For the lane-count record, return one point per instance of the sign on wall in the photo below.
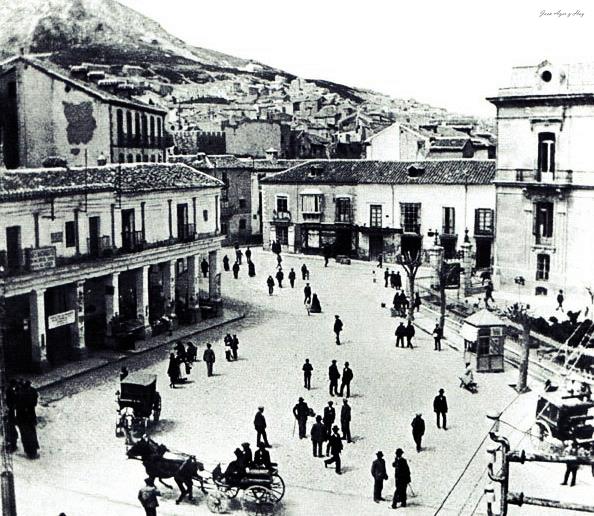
(56, 237)
(61, 319)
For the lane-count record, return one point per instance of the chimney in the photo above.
(101, 160)
(271, 154)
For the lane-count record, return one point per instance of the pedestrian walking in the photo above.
(318, 434)
(308, 306)
(279, 261)
(26, 418)
(292, 277)
(204, 267)
(333, 376)
(393, 279)
(347, 378)
(418, 430)
(437, 336)
(328, 420)
(234, 345)
(440, 407)
(400, 334)
(307, 370)
(307, 293)
(236, 270)
(327, 253)
(315, 307)
(304, 272)
(560, 299)
(301, 413)
(337, 328)
(489, 293)
(397, 281)
(396, 303)
(260, 426)
(147, 496)
(248, 253)
(410, 333)
(380, 261)
(417, 302)
(270, 283)
(335, 445)
(401, 478)
(379, 474)
(386, 277)
(209, 359)
(173, 370)
(251, 269)
(238, 255)
(571, 469)
(280, 276)
(226, 263)
(404, 304)
(345, 421)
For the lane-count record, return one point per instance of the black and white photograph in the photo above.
(296, 258)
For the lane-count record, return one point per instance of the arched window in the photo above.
(144, 139)
(159, 132)
(121, 158)
(137, 129)
(138, 158)
(129, 128)
(130, 158)
(152, 138)
(120, 127)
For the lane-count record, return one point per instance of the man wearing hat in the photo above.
(335, 445)
(147, 496)
(333, 376)
(345, 421)
(329, 418)
(337, 328)
(301, 412)
(401, 478)
(260, 426)
(440, 407)
(378, 472)
(262, 457)
(318, 434)
(246, 455)
(235, 470)
(418, 430)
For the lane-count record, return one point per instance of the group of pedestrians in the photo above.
(21, 403)
(180, 364)
(333, 377)
(405, 332)
(231, 345)
(402, 478)
(236, 267)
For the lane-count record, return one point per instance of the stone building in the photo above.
(46, 112)
(363, 208)
(252, 138)
(545, 179)
(78, 246)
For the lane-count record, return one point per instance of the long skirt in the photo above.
(29, 439)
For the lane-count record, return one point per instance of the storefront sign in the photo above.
(61, 319)
(40, 258)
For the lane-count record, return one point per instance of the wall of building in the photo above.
(385, 144)
(254, 137)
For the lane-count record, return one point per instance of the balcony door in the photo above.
(182, 221)
(94, 235)
(13, 247)
(128, 228)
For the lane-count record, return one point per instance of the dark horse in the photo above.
(183, 471)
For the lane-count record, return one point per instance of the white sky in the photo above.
(447, 53)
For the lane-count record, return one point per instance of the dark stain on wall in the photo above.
(81, 123)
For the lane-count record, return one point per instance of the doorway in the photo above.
(13, 248)
(94, 235)
(483, 253)
(376, 246)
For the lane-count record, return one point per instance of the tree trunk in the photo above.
(522, 385)
(411, 297)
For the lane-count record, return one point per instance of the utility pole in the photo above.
(6, 475)
(520, 313)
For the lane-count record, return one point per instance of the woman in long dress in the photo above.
(173, 370)
(315, 305)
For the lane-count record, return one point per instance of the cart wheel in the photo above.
(216, 502)
(230, 491)
(157, 407)
(258, 500)
(277, 487)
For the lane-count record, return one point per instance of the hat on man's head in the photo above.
(441, 391)
(399, 452)
(379, 454)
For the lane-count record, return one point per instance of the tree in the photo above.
(410, 262)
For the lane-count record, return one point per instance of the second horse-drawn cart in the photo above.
(138, 400)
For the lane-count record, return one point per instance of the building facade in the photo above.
(79, 247)
(545, 179)
(364, 208)
(46, 113)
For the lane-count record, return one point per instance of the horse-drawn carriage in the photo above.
(138, 400)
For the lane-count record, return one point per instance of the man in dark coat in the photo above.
(327, 252)
(347, 378)
(306, 293)
(410, 333)
(396, 303)
(248, 254)
(209, 359)
(329, 418)
(173, 370)
(333, 376)
(26, 418)
(204, 267)
(251, 269)
(401, 478)
(318, 434)
(560, 300)
(280, 276)
(400, 334)
(301, 413)
(386, 277)
(337, 328)
(418, 430)
(345, 421)
(440, 407)
(236, 270)
(292, 277)
(260, 426)
(270, 283)
(234, 345)
(262, 457)
(238, 255)
(246, 455)
(393, 279)
(489, 293)
(307, 369)
(379, 474)
(397, 281)
(147, 496)
(304, 272)
(335, 445)
(437, 335)
(226, 263)
(404, 304)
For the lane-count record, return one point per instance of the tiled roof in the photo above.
(227, 161)
(128, 178)
(461, 171)
(199, 161)
(276, 165)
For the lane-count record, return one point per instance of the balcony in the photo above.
(536, 177)
(343, 217)
(186, 233)
(281, 216)
(133, 241)
(100, 247)
(411, 228)
(312, 216)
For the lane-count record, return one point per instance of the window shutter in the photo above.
(535, 219)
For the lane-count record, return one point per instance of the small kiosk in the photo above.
(484, 336)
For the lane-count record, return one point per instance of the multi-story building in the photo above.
(545, 178)
(364, 208)
(45, 111)
(80, 245)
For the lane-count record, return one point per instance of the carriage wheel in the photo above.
(258, 500)
(277, 487)
(230, 491)
(216, 502)
(157, 407)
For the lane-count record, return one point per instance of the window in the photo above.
(543, 267)
(410, 217)
(121, 158)
(137, 129)
(242, 203)
(282, 204)
(138, 158)
(375, 216)
(546, 152)
(129, 128)
(311, 203)
(483, 221)
(224, 228)
(543, 221)
(159, 132)
(152, 138)
(242, 224)
(130, 158)
(313, 238)
(70, 234)
(153, 159)
(120, 126)
(343, 209)
(448, 221)
(205, 215)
